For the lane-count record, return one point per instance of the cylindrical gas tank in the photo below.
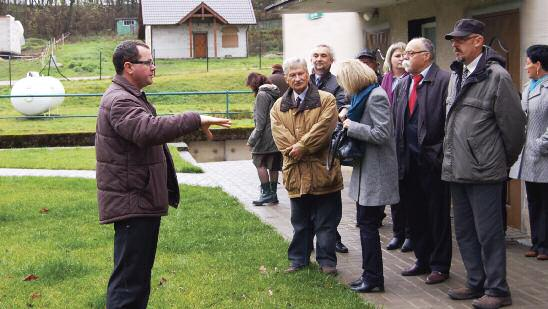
(34, 84)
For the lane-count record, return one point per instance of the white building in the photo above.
(11, 35)
(302, 32)
(196, 29)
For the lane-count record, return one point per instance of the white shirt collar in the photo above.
(425, 71)
(472, 65)
(302, 95)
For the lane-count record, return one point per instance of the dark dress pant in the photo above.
(537, 200)
(427, 202)
(135, 242)
(400, 222)
(317, 215)
(369, 219)
(480, 236)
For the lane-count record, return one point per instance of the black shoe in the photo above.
(356, 282)
(267, 196)
(407, 245)
(415, 271)
(366, 287)
(340, 247)
(394, 244)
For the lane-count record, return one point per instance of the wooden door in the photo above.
(502, 33)
(200, 45)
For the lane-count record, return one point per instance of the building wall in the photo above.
(11, 35)
(341, 31)
(171, 41)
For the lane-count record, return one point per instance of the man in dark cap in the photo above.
(484, 134)
(368, 57)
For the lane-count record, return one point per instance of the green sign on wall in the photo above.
(316, 15)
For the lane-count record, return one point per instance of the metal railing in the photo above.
(226, 93)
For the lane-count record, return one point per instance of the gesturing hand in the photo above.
(346, 123)
(207, 121)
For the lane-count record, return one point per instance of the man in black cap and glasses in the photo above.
(484, 134)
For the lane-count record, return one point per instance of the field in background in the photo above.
(171, 76)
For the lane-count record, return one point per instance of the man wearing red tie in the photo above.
(419, 107)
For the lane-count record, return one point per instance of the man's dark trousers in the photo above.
(479, 233)
(315, 215)
(427, 202)
(135, 243)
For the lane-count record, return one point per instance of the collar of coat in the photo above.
(323, 78)
(311, 100)
(482, 70)
(124, 83)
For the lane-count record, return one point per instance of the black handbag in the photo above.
(348, 150)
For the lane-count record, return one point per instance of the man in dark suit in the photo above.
(419, 107)
(322, 58)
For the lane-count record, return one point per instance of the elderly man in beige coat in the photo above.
(302, 122)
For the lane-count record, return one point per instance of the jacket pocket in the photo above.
(324, 179)
(291, 178)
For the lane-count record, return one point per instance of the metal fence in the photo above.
(226, 93)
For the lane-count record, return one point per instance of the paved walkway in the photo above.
(528, 278)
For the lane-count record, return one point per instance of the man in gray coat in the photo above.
(322, 58)
(484, 134)
(136, 180)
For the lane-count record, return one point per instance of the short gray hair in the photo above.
(329, 50)
(294, 62)
(428, 46)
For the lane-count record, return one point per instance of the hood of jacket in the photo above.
(270, 89)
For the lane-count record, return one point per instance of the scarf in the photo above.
(535, 82)
(357, 105)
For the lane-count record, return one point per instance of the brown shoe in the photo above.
(531, 253)
(293, 269)
(542, 257)
(329, 270)
(464, 293)
(436, 277)
(492, 302)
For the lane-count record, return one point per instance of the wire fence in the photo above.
(227, 112)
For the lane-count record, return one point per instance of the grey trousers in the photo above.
(479, 233)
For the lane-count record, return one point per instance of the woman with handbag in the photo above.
(374, 181)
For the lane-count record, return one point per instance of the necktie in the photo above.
(297, 102)
(318, 78)
(413, 97)
(465, 74)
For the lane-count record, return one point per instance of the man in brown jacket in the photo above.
(302, 122)
(136, 179)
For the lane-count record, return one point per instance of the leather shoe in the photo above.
(340, 247)
(407, 245)
(464, 293)
(415, 270)
(329, 270)
(531, 253)
(366, 287)
(293, 269)
(491, 302)
(394, 244)
(542, 257)
(436, 277)
(356, 282)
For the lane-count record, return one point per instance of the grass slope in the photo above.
(210, 253)
(73, 158)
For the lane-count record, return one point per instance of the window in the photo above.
(230, 37)
(425, 27)
(128, 22)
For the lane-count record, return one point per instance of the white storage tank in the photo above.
(34, 84)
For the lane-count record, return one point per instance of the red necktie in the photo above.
(413, 97)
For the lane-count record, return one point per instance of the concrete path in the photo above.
(528, 278)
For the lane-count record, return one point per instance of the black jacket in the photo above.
(430, 106)
(328, 82)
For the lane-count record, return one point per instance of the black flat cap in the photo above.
(465, 27)
(366, 53)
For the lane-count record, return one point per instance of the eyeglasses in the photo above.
(147, 62)
(412, 53)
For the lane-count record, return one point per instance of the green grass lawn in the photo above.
(172, 75)
(211, 253)
(70, 158)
